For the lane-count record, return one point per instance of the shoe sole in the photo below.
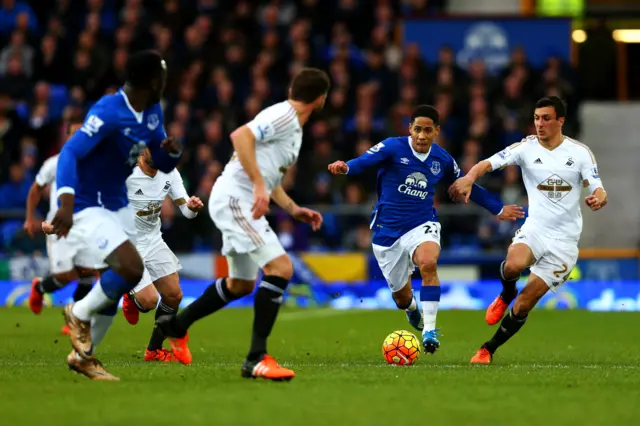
(281, 379)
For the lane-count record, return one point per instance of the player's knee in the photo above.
(514, 267)
(428, 266)
(240, 288)
(64, 278)
(280, 267)
(147, 298)
(172, 297)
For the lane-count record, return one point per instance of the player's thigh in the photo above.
(102, 238)
(60, 253)
(557, 263)
(159, 260)
(395, 264)
(526, 248)
(243, 272)
(169, 287)
(241, 234)
(423, 245)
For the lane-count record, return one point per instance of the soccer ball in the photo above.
(401, 348)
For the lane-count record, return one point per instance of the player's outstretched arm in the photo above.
(374, 156)
(189, 206)
(303, 214)
(33, 198)
(462, 187)
(166, 154)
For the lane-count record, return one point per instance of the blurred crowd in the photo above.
(229, 59)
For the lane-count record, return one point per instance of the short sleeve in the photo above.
(512, 155)
(47, 173)
(269, 123)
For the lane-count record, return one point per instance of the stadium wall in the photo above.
(611, 131)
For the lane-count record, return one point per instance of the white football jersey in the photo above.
(278, 139)
(554, 181)
(47, 176)
(146, 195)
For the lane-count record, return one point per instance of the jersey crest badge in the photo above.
(153, 121)
(435, 167)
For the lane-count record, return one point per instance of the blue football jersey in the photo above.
(406, 186)
(96, 161)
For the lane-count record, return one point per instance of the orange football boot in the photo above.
(180, 349)
(159, 355)
(496, 311)
(130, 310)
(266, 368)
(35, 298)
(65, 330)
(482, 356)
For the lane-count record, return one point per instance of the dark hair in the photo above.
(309, 84)
(73, 122)
(555, 102)
(426, 111)
(143, 67)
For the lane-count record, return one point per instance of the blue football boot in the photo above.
(430, 340)
(415, 317)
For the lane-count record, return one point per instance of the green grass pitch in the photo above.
(563, 368)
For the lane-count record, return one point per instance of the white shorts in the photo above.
(554, 258)
(247, 244)
(159, 262)
(97, 232)
(396, 262)
(61, 255)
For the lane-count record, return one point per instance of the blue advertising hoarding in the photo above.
(374, 294)
(491, 40)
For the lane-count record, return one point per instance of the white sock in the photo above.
(93, 302)
(99, 326)
(413, 306)
(429, 312)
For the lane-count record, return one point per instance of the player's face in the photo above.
(547, 126)
(146, 157)
(423, 132)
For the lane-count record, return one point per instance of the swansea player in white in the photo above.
(555, 168)
(147, 189)
(406, 231)
(264, 149)
(66, 263)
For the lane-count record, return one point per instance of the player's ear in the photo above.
(437, 130)
(561, 120)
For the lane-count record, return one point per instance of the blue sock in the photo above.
(114, 285)
(110, 310)
(430, 299)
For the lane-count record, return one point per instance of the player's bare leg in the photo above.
(215, 297)
(169, 289)
(100, 305)
(426, 257)
(406, 300)
(519, 257)
(525, 302)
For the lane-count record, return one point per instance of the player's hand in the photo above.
(338, 168)
(195, 204)
(260, 201)
(511, 213)
(309, 216)
(461, 189)
(29, 227)
(594, 202)
(47, 228)
(62, 222)
(171, 145)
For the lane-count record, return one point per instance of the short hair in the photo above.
(143, 67)
(309, 84)
(426, 111)
(555, 102)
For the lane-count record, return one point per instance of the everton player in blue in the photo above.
(94, 214)
(406, 232)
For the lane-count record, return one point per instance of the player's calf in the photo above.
(169, 289)
(405, 299)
